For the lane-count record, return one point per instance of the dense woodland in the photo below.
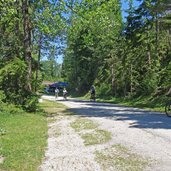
(120, 57)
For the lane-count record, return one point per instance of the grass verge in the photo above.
(148, 102)
(23, 136)
(51, 107)
(22, 140)
(120, 158)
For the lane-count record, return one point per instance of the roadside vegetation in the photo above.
(152, 103)
(148, 102)
(52, 108)
(23, 138)
(120, 158)
(89, 132)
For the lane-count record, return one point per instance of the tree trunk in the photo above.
(17, 31)
(38, 60)
(113, 80)
(27, 42)
(169, 38)
(149, 49)
(157, 32)
(131, 79)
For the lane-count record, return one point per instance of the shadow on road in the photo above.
(139, 118)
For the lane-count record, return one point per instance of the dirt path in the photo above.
(147, 134)
(67, 151)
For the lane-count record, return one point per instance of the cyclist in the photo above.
(56, 92)
(92, 93)
(65, 93)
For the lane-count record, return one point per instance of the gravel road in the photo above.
(145, 133)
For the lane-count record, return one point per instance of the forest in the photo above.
(122, 57)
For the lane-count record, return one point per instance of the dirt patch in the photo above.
(2, 159)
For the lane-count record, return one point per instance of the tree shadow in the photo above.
(138, 118)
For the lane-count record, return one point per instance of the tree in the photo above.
(89, 47)
(23, 24)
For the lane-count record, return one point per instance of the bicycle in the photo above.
(93, 97)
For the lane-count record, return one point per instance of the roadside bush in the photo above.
(13, 83)
(104, 90)
(31, 103)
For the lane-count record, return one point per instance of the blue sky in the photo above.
(125, 6)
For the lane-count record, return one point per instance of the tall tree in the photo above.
(87, 46)
(27, 27)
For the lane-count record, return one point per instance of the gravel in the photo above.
(145, 133)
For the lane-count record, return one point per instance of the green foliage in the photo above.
(30, 103)
(104, 89)
(166, 76)
(12, 81)
(121, 59)
(13, 84)
(51, 70)
(148, 84)
(87, 46)
(28, 31)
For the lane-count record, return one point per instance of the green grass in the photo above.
(23, 136)
(96, 137)
(51, 107)
(82, 124)
(150, 103)
(120, 158)
(48, 104)
(22, 141)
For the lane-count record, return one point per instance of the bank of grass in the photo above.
(120, 158)
(152, 102)
(23, 139)
(148, 102)
(51, 107)
(54, 111)
(23, 136)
